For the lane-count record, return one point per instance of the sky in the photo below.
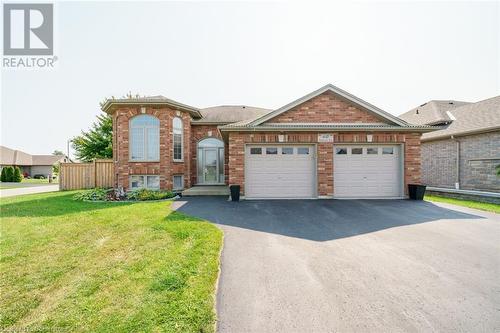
(395, 55)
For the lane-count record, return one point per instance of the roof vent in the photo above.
(450, 102)
(416, 112)
(244, 106)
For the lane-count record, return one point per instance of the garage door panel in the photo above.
(280, 175)
(367, 175)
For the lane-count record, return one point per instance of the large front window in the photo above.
(177, 129)
(144, 138)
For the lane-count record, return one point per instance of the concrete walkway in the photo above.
(354, 266)
(12, 192)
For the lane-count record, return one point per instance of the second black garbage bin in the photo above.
(416, 192)
(235, 192)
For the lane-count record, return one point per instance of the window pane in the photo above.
(137, 144)
(303, 151)
(210, 142)
(256, 151)
(271, 151)
(387, 150)
(145, 121)
(144, 138)
(177, 146)
(287, 151)
(153, 182)
(341, 151)
(178, 182)
(153, 144)
(372, 151)
(357, 151)
(136, 182)
(177, 125)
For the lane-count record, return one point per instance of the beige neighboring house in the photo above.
(464, 154)
(30, 165)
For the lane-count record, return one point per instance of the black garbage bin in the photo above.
(416, 192)
(235, 192)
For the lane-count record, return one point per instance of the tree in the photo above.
(17, 175)
(3, 176)
(97, 142)
(9, 173)
(58, 153)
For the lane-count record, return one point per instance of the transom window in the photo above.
(341, 151)
(145, 181)
(357, 151)
(303, 150)
(178, 136)
(287, 151)
(387, 151)
(271, 151)
(144, 138)
(256, 151)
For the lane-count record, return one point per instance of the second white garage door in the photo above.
(367, 171)
(280, 171)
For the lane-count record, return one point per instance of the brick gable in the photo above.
(326, 108)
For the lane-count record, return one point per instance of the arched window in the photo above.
(144, 138)
(178, 131)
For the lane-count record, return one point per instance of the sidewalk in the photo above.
(11, 192)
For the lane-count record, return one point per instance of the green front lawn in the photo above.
(466, 203)
(69, 266)
(39, 181)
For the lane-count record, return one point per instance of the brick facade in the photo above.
(326, 108)
(325, 165)
(478, 156)
(166, 168)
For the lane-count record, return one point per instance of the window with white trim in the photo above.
(144, 138)
(178, 136)
(144, 181)
(178, 182)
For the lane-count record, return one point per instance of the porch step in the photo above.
(206, 190)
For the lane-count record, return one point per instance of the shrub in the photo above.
(3, 176)
(145, 194)
(102, 194)
(17, 177)
(95, 194)
(9, 174)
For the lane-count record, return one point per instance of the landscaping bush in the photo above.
(17, 175)
(101, 194)
(3, 176)
(9, 174)
(95, 194)
(145, 194)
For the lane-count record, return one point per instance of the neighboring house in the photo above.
(327, 144)
(465, 153)
(30, 165)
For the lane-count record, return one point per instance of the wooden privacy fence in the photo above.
(75, 176)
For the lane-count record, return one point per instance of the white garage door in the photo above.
(280, 171)
(367, 171)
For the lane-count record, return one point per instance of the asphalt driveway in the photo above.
(360, 265)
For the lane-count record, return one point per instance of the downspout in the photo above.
(457, 178)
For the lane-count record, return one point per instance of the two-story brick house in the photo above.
(327, 144)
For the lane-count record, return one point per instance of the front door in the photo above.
(210, 166)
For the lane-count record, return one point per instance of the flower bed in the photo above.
(109, 194)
